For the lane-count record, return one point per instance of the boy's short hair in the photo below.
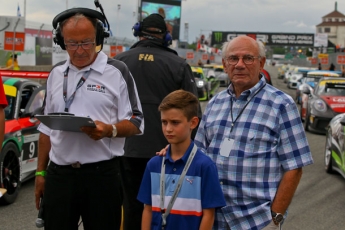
(183, 100)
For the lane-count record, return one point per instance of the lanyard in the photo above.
(239, 114)
(69, 101)
(177, 189)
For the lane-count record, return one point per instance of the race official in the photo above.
(82, 180)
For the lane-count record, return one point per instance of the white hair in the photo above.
(260, 45)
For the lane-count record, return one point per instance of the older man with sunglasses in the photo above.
(253, 132)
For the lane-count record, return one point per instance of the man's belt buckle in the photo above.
(76, 165)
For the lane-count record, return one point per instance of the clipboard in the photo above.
(65, 121)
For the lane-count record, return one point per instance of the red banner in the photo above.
(18, 44)
(204, 57)
(341, 59)
(189, 55)
(324, 60)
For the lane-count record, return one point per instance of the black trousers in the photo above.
(132, 171)
(92, 192)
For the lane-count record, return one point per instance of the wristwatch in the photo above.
(277, 217)
(114, 131)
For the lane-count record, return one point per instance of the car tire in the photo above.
(328, 152)
(10, 169)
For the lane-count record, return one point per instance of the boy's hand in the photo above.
(163, 151)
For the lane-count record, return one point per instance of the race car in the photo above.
(309, 82)
(327, 101)
(206, 87)
(18, 157)
(335, 146)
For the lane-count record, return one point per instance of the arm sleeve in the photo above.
(3, 100)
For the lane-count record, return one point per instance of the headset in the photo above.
(137, 30)
(101, 31)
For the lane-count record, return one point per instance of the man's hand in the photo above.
(163, 151)
(39, 190)
(102, 130)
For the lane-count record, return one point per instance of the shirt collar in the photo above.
(185, 156)
(245, 94)
(98, 64)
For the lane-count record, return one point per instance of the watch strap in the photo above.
(41, 173)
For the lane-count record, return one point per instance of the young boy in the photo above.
(182, 188)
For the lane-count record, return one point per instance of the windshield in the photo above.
(322, 90)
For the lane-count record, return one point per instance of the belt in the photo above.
(78, 165)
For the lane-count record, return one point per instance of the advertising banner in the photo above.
(169, 9)
(58, 53)
(271, 39)
(10, 23)
(44, 51)
(14, 41)
(27, 57)
(321, 40)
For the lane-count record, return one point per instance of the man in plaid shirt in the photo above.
(253, 132)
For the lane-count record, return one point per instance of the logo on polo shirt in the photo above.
(96, 88)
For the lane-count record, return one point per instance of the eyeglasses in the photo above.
(75, 46)
(247, 59)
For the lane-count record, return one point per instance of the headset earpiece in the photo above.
(167, 39)
(101, 33)
(136, 29)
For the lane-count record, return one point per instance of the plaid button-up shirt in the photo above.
(269, 139)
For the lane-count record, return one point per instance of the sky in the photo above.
(292, 16)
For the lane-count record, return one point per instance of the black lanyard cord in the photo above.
(232, 119)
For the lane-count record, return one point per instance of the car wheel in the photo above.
(328, 152)
(9, 173)
(306, 122)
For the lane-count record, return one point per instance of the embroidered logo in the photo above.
(189, 180)
(96, 88)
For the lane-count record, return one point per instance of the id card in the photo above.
(226, 147)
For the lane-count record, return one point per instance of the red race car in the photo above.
(18, 157)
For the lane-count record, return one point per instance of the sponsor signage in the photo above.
(313, 61)
(16, 44)
(341, 59)
(189, 55)
(204, 57)
(324, 60)
(322, 55)
(271, 39)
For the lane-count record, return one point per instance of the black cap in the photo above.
(154, 21)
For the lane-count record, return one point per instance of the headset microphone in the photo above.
(40, 220)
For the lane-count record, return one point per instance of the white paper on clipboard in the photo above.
(65, 122)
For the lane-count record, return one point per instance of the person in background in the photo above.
(254, 134)
(12, 63)
(157, 71)
(320, 68)
(197, 190)
(332, 67)
(82, 179)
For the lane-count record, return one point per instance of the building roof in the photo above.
(331, 24)
(334, 14)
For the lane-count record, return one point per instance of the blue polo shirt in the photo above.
(200, 190)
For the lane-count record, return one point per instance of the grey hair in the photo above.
(261, 46)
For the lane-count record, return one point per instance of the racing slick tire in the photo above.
(328, 152)
(10, 170)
